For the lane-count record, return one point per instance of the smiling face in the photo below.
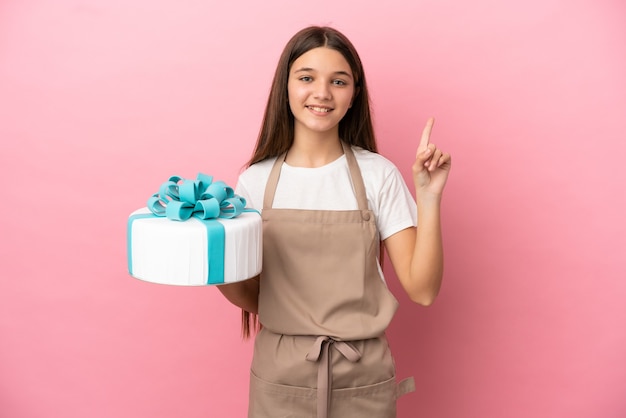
(320, 90)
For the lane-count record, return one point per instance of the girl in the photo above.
(327, 201)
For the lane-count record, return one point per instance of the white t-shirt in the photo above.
(330, 188)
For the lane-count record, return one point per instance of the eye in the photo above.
(305, 78)
(339, 83)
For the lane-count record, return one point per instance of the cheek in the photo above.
(293, 93)
(291, 107)
(291, 97)
(348, 98)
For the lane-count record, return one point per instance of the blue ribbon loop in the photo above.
(179, 199)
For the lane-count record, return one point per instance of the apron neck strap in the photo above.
(355, 175)
(272, 181)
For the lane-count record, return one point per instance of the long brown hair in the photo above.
(277, 129)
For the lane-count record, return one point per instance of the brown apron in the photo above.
(322, 351)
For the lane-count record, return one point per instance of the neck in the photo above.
(314, 150)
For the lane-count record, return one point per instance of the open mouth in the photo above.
(320, 109)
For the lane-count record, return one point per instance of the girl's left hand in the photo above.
(431, 167)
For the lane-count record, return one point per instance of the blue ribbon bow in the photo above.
(179, 199)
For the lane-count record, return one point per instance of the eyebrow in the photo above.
(309, 69)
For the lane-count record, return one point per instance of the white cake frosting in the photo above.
(171, 252)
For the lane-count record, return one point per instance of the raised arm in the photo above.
(417, 253)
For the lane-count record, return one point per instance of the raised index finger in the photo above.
(425, 140)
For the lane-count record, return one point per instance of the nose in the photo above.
(322, 90)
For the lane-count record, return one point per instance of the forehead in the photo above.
(322, 59)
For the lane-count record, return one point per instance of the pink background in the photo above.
(101, 101)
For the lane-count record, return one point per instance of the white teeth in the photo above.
(319, 109)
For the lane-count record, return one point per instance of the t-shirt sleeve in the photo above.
(397, 209)
(251, 184)
(241, 190)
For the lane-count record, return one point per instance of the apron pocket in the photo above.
(272, 400)
(372, 401)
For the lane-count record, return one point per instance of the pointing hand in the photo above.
(431, 167)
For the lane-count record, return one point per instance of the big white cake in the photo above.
(193, 251)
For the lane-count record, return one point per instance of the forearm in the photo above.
(243, 294)
(417, 255)
(426, 269)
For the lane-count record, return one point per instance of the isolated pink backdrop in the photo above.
(101, 101)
